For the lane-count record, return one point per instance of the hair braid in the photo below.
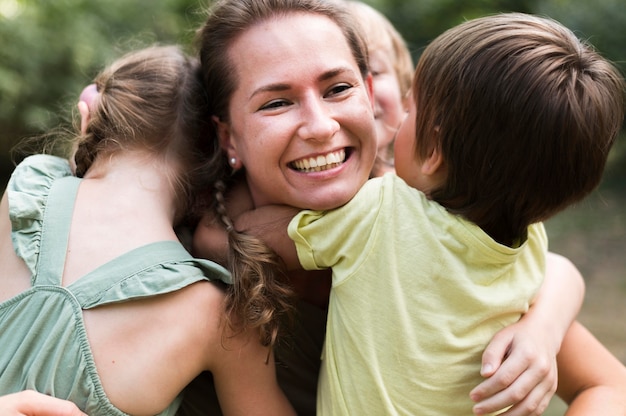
(86, 153)
(261, 295)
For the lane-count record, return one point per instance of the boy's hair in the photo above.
(524, 115)
(262, 296)
(149, 100)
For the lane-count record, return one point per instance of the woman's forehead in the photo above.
(289, 47)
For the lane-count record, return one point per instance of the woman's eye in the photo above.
(338, 89)
(274, 104)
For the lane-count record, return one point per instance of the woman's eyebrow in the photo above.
(335, 72)
(270, 88)
(279, 86)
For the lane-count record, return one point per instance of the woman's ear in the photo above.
(226, 143)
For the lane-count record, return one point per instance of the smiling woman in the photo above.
(300, 113)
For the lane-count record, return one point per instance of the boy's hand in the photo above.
(520, 373)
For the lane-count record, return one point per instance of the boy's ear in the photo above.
(226, 143)
(433, 163)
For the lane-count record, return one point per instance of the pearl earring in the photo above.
(233, 161)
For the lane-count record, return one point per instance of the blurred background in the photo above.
(50, 50)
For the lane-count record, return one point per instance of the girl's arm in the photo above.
(520, 361)
(245, 377)
(591, 380)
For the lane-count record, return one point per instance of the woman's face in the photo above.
(389, 106)
(301, 117)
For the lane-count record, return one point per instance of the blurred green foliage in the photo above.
(51, 49)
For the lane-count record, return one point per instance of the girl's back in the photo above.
(100, 300)
(111, 277)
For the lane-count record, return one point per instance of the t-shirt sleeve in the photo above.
(339, 237)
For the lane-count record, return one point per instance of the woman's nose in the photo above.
(318, 123)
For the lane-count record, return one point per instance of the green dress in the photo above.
(43, 343)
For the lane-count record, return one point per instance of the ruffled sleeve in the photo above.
(28, 191)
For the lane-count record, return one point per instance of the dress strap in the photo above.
(55, 231)
(156, 268)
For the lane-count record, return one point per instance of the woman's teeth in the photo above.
(321, 162)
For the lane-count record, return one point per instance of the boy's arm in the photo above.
(520, 361)
(268, 223)
(591, 379)
(210, 240)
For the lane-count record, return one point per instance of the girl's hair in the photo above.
(262, 295)
(150, 100)
(381, 35)
(524, 115)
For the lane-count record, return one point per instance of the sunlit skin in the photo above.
(300, 97)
